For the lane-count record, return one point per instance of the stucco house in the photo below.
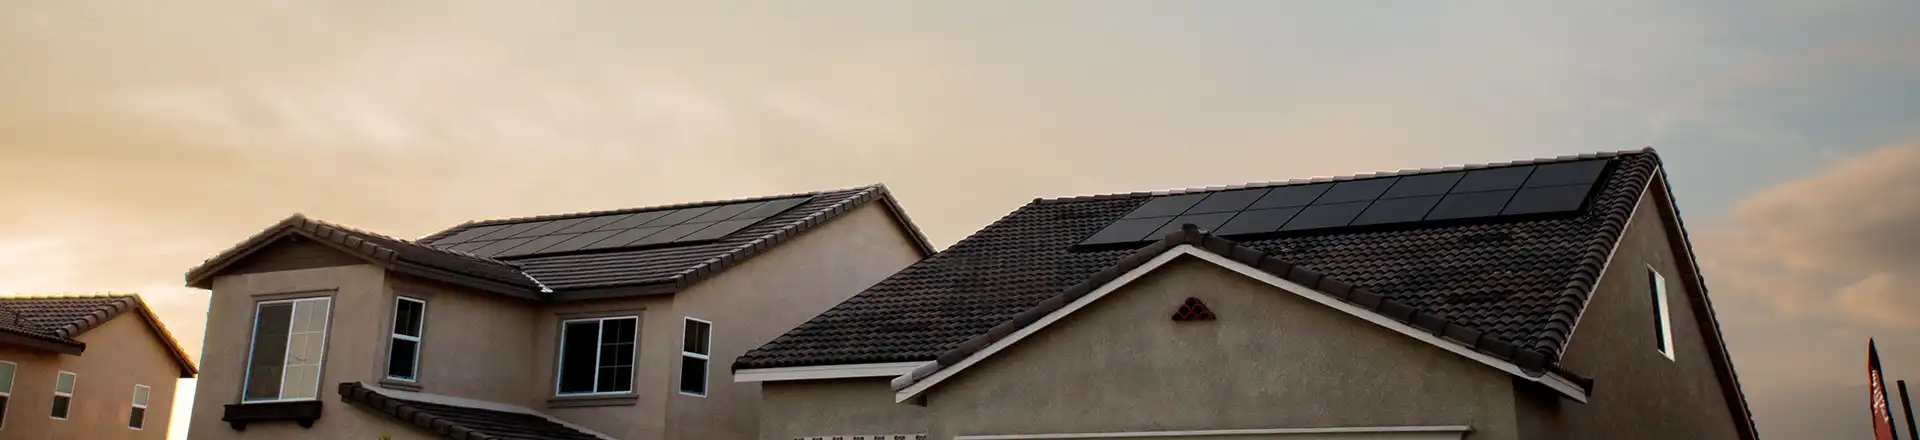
(1543, 299)
(86, 366)
(599, 325)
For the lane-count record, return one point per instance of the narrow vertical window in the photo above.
(403, 351)
(6, 390)
(596, 355)
(289, 341)
(63, 394)
(1662, 319)
(137, 418)
(696, 346)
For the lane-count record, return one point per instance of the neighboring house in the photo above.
(89, 366)
(600, 325)
(1547, 299)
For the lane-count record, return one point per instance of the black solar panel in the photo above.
(679, 216)
(549, 228)
(536, 245)
(510, 231)
(770, 208)
(670, 234)
(499, 246)
(468, 235)
(723, 212)
(581, 241)
(1560, 187)
(720, 229)
(633, 221)
(591, 223)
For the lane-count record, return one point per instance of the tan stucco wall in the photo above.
(353, 347)
(638, 417)
(121, 353)
(475, 345)
(1639, 393)
(1271, 360)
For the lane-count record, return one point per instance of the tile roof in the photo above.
(561, 276)
(461, 422)
(62, 317)
(1522, 282)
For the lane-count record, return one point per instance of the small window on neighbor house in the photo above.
(137, 419)
(63, 394)
(1662, 319)
(696, 345)
(596, 355)
(289, 341)
(6, 390)
(403, 351)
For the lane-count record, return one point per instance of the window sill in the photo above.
(587, 401)
(400, 385)
(305, 412)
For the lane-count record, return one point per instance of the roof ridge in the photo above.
(642, 209)
(401, 240)
(1323, 179)
(68, 295)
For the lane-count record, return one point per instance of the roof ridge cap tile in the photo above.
(491, 222)
(1531, 362)
(1341, 178)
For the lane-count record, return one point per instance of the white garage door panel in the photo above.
(1355, 433)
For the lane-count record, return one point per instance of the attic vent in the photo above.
(1487, 237)
(1193, 310)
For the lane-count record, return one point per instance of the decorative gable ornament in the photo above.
(1193, 310)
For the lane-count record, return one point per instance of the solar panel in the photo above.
(1548, 199)
(679, 216)
(633, 221)
(591, 223)
(625, 237)
(1325, 216)
(723, 212)
(536, 245)
(610, 231)
(1410, 209)
(1493, 179)
(771, 208)
(1468, 205)
(1257, 221)
(1356, 191)
(1288, 196)
(1206, 222)
(468, 235)
(510, 230)
(499, 246)
(549, 228)
(469, 247)
(1228, 201)
(1166, 206)
(670, 234)
(1568, 173)
(1128, 230)
(1423, 185)
(718, 230)
(581, 241)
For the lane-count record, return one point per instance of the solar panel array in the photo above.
(1446, 196)
(614, 231)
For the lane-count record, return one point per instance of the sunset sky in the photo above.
(138, 138)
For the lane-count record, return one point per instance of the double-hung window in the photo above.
(289, 341)
(6, 389)
(137, 418)
(695, 346)
(63, 394)
(403, 351)
(1662, 319)
(596, 355)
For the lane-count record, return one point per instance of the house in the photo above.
(86, 366)
(599, 325)
(1545, 299)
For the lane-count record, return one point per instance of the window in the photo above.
(6, 389)
(697, 343)
(403, 353)
(1662, 321)
(63, 394)
(289, 339)
(596, 355)
(137, 419)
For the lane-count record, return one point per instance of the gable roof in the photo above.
(460, 422)
(656, 270)
(1265, 267)
(58, 319)
(1520, 281)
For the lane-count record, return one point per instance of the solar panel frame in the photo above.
(1166, 206)
(511, 230)
(671, 233)
(724, 212)
(589, 224)
(679, 216)
(1257, 221)
(1549, 199)
(1228, 201)
(469, 234)
(625, 237)
(772, 208)
(1566, 173)
(1326, 216)
(634, 220)
(1400, 210)
(718, 230)
(549, 227)
(1470, 205)
(1493, 179)
(581, 241)
(1356, 191)
(1290, 196)
(535, 246)
(499, 246)
(1423, 185)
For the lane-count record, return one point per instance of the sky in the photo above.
(139, 138)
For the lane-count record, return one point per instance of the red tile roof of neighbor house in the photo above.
(59, 318)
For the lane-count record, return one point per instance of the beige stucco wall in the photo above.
(769, 295)
(353, 348)
(121, 353)
(1639, 393)
(475, 344)
(635, 416)
(1271, 360)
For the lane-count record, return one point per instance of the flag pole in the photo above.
(1908, 405)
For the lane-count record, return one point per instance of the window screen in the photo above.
(289, 339)
(695, 348)
(403, 350)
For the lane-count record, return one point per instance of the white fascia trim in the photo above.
(1440, 431)
(474, 403)
(1551, 380)
(825, 372)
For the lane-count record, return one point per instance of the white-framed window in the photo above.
(1663, 317)
(7, 369)
(695, 346)
(63, 394)
(403, 350)
(137, 418)
(284, 357)
(596, 355)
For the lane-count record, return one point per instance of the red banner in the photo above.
(1877, 390)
